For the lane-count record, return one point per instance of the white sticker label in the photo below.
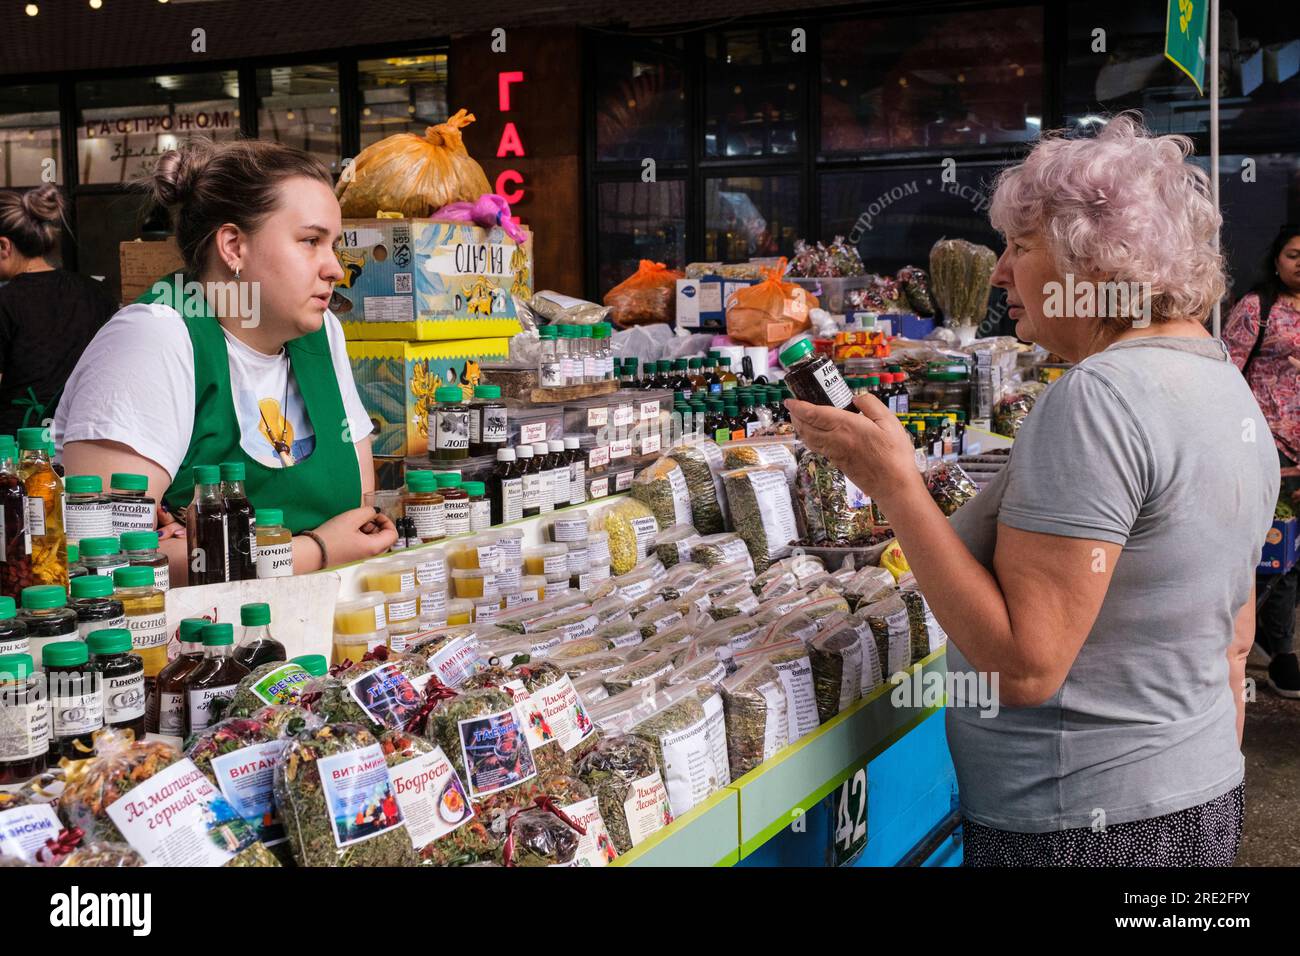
(598, 457)
(644, 528)
(132, 516)
(647, 808)
(24, 730)
(480, 515)
(86, 628)
(457, 515)
(76, 714)
(123, 698)
(689, 769)
(624, 415)
(147, 630)
(359, 796)
(36, 517)
(650, 410)
(88, 521)
(599, 487)
(178, 818)
(431, 571)
(775, 511)
(245, 777)
(24, 830)
(431, 796)
(833, 385)
(456, 662)
(487, 610)
(162, 577)
(495, 426)
(623, 480)
(452, 430)
(171, 714)
(532, 433)
(512, 499)
(650, 443)
(801, 700)
(429, 519)
(200, 705)
(620, 449)
(598, 417)
(398, 611)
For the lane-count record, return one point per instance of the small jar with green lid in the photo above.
(121, 674)
(140, 548)
(422, 503)
(95, 606)
(75, 568)
(488, 423)
(87, 511)
(25, 715)
(451, 425)
(146, 617)
(455, 503)
(480, 509)
(317, 665)
(76, 699)
(133, 509)
(102, 555)
(13, 632)
(48, 618)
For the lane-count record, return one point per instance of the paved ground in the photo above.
(1271, 836)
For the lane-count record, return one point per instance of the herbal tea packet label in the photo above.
(899, 650)
(595, 848)
(716, 729)
(735, 550)
(629, 638)
(801, 699)
(245, 777)
(431, 796)
(24, 830)
(386, 694)
(279, 686)
(457, 662)
(690, 771)
(681, 496)
(358, 795)
(850, 675)
(644, 528)
(647, 808)
(554, 712)
(775, 510)
(179, 818)
(495, 751)
(775, 727)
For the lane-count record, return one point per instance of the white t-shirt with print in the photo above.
(134, 384)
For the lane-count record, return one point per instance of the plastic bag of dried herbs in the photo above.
(836, 656)
(386, 687)
(662, 487)
(542, 835)
(755, 709)
(337, 801)
(694, 662)
(737, 602)
(836, 512)
(479, 730)
(799, 566)
(621, 633)
(601, 662)
(949, 486)
(652, 669)
(927, 635)
(778, 454)
(328, 698)
(591, 686)
(673, 545)
(632, 527)
(867, 586)
(239, 755)
(762, 513)
(684, 574)
(90, 786)
(688, 733)
(454, 655)
(575, 799)
(275, 682)
(701, 463)
(725, 638)
(892, 630)
(806, 620)
(582, 647)
(668, 616)
(790, 658)
(555, 717)
(629, 789)
(286, 720)
(102, 854)
(717, 549)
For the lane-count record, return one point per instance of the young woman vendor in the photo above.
(246, 365)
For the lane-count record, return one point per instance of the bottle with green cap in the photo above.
(455, 502)
(424, 505)
(627, 376)
(95, 606)
(314, 664)
(257, 646)
(121, 675)
(133, 509)
(45, 613)
(140, 548)
(550, 370)
(165, 713)
(489, 425)
(480, 508)
(274, 544)
(146, 617)
(44, 508)
(211, 685)
(205, 529)
(76, 700)
(13, 632)
(15, 543)
(814, 378)
(25, 716)
(102, 555)
(241, 527)
(87, 512)
(75, 568)
(451, 425)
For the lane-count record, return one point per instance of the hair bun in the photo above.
(178, 170)
(44, 203)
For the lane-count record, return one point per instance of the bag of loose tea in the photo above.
(618, 712)
(452, 654)
(275, 682)
(735, 602)
(652, 669)
(837, 514)
(927, 635)
(633, 801)
(662, 487)
(762, 513)
(867, 586)
(755, 710)
(836, 657)
(806, 620)
(696, 662)
(701, 464)
(576, 800)
(777, 453)
(553, 714)
(591, 687)
(727, 637)
(582, 647)
(892, 630)
(286, 720)
(387, 687)
(601, 662)
(632, 527)
(790, 659)
(673, 545)
(542, 835)
(240, 755)
(688, 733)
(621, 633)
(480, 731)
(668, 616)
(719, 549)
(685, 573)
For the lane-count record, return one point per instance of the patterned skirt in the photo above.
(1205, 835)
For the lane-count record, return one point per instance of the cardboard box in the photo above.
(396, 381)
(423, 279)
(1281, 547)
(144, 263)
(702, 302)
(1282, 61)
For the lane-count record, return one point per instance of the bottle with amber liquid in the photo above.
(15, 544)
(217, 676)
(241, 525)
(205, 529)
(165, 713)
(44, 509)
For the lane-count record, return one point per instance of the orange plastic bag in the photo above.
(411, 174)
(647, 296)
(770, 312)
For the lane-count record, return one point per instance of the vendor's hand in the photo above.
(169, 526)
(872, 449)
(356, 534)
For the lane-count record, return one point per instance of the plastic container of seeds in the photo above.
(431, 605)
(549, 560)
(474, 583)
(579, 557)
(598, 547)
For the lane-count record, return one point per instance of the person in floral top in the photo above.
(1270, 360)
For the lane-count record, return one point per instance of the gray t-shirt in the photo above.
(1155, 444)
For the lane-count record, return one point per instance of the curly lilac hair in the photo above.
(1123, 206)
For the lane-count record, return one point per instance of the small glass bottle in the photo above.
(480, 509)
(716, 425)
(814, 378)
(46, 615)
(451, 425)
(146, 618)
(102, 556)
(695, 374)
(140, 548)
(729, 380)
(76, 699)
(589, 350)
(44, 509)
(532, 477)
(423, 504)
(736, 420)
(15, 542)
(87, 511)
(95, 606)
(274, 545)
(627, 376)
(133, 509)
(25, 715)
(604, 351)
(507, 488)
(682, 423)
(205, 529)
(750, 414)
(577, 469)
(564, 354)
(75, 568)
(13, 632)
(455, 503)
(241, 526)
(712, 378)
(217, 676)
(681, 382)
(257, 646)
(544, 462)
(165, 712)
(493, 421)
(559, 473)
(121, 674)
(550, 368)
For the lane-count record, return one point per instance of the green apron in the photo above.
(314, 490)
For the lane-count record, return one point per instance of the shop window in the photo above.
(125, 125)
(754, 94)
(402, 94)
(29, 136)
(106, 219)
(640, 100)
(748, 217)
(638, 220)
(299, 106)
(922, 82)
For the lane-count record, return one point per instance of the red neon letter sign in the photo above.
(503, 87)
(512, 176)
(511, 144)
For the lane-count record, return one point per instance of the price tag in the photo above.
(621, 448)
(650, 444)
(649, 410)
(599, 488)
(624, 415)
(597, 417)
(532, 433)
(849, 818)
(598, 457)
(623, 480)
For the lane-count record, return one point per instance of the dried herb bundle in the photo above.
(699, 462)
(629, 790)
(327, 698)
(286, 720)
(836, 513)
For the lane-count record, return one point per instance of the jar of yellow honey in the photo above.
(429, 564)
(459, 611)
(353, 647)
(390, 575)
(400, 636)
(549, 560)
(362, 615)
(533, 587)
(474, 583)
(473, 553)
(486, 609)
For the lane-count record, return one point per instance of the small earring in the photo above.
(236, 273)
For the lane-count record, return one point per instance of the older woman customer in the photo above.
(1106, 576)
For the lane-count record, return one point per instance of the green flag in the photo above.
(1185, 39)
